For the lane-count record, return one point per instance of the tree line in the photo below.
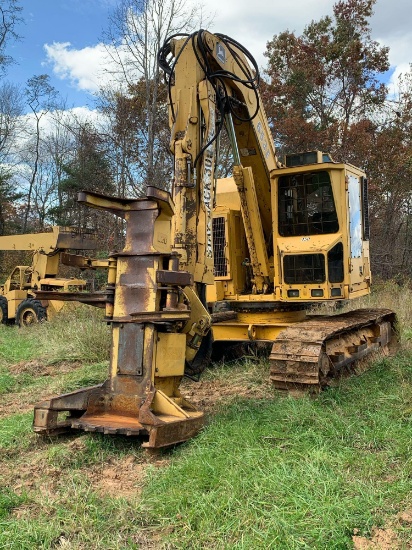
(324, 89)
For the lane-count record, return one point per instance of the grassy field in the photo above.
(268, 471)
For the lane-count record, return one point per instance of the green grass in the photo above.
(286, 473)
(9, 501)
(16, 432)
(17, 344)
(267, 471)
(77, 333)
(88, 375)
(7, 382)
(84, 521)
(13, 383)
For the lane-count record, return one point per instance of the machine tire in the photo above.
(4, 314)
(29, 312)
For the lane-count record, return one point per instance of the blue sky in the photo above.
(63, 37)
(79, 22)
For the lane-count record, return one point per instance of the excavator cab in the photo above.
(17, 278)
(321, 234)
(319, 246)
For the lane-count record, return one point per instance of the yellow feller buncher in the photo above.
(236, 260)
(18, 301)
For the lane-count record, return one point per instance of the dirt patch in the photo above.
(22, 402)
(118, 478)
(38, 477)
(406, 517)
(396, 535)
(381, 539)
(26, 511)
(39, 368)
(25, 399)
(13, 403)
(121, 477)
(207, 395)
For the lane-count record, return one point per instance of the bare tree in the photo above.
(11, 108)
(9, 19)
(41, 98)
(56, 151)
(138, 29)
(11, 126)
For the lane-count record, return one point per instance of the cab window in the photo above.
(306, 205)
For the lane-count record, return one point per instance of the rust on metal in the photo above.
(130, 350)
(98, 299)
(161, 197)
(160, 316)
(74, 260)
(180, 278)
(109, 424)
(221, 316)
(160, 436)
(129, 402)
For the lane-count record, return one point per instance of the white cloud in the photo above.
(252, 28)
(253, 25)
(82, 67)
(50, 123)
(399, 70)
(400, 56)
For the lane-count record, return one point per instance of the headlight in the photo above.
(293, 293)
(316, 292)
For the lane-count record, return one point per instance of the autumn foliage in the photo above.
(325, 90)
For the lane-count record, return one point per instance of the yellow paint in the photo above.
(54, 307)
(227, 195)
(164, 405)
(284, 317)
(170, 354)
(161, 237)
(168, 386)
(232, 331)
(114, 354)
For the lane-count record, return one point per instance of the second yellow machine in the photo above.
(18, 294)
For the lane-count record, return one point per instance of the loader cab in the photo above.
(321, 229)
(19, 279)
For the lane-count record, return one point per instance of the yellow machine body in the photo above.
(147, 360)
(285, 235)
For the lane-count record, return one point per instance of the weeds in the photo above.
(9, 501)
(78, 333)
(387, 295)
